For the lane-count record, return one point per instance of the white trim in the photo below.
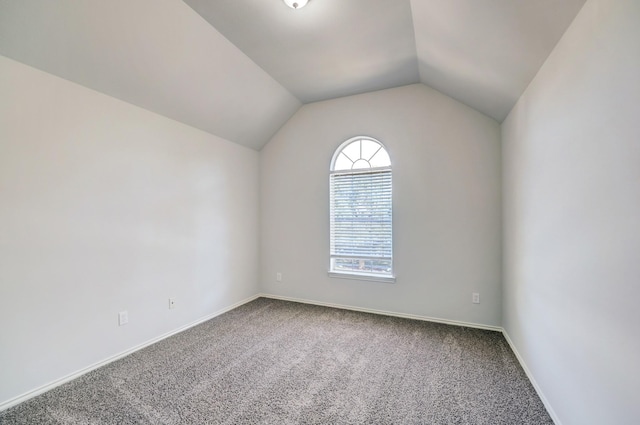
(371, 170)
(51, 385)
(387, 313)
(362, 276)
(536, 387)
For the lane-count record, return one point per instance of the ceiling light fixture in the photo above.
(296, 4)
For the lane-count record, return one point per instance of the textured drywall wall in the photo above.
(571, 208)
(107, 207)
(446, 194)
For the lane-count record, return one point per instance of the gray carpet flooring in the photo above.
(277, 362)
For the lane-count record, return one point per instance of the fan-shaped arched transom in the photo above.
(360, 153)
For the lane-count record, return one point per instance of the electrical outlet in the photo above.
(278, 277)
(123, 318)
(172, 303)
(475, 298)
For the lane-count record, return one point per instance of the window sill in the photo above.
(360, 276)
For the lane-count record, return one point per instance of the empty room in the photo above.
(320, 212)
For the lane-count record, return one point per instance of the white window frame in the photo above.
(357, 275)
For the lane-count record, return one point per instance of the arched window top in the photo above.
(360, 153)
(361, 211)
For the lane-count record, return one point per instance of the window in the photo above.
(361, 211)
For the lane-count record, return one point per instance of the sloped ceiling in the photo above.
(156, 54)
(485, 53)
(328, 49)
(240, 68)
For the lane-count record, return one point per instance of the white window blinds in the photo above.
(361, 245)
(361, 222)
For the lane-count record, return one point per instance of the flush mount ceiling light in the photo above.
(296, 4)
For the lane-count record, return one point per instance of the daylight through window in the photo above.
(361, 211)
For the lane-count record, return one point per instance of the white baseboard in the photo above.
(546, 403)
(33, 393)
(387, 313)
(51, 385)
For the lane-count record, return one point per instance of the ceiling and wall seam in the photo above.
(241, 69)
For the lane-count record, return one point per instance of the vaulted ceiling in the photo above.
(240, 69)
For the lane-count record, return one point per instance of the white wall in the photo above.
(446, 160)
(572, 220)
(106, 207)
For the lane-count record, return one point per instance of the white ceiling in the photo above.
(245, 68)
(485, 53)
(156, 54)
(328, 49)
